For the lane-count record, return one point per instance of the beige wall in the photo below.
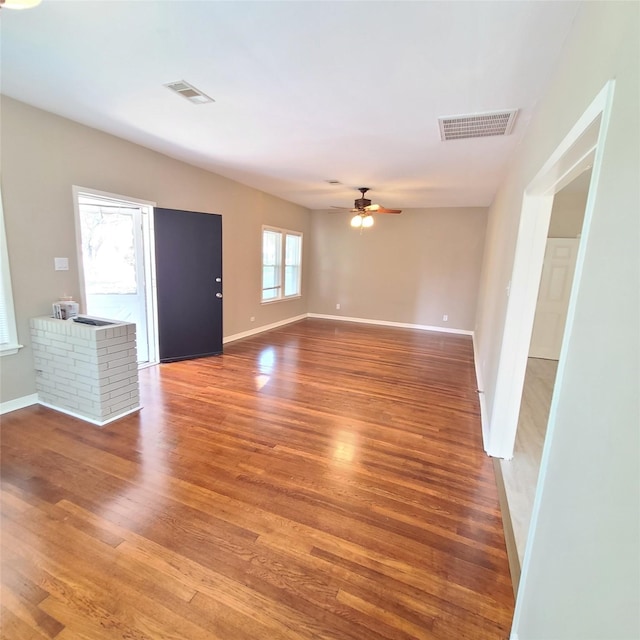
(44, 155)
(581, 575)
(409, 268)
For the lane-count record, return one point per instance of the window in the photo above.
(281, 264)
(8, 334)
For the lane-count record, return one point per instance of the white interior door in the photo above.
(553, 297)
(114, 265)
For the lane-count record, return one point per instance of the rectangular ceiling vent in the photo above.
(189, 92)
(479, 125)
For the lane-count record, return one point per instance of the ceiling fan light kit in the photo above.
(360, 220)
(19, 4)
(363, 208)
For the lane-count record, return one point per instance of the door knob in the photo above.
(218, 279)
(218, 295)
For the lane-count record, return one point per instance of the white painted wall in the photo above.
(581, 575)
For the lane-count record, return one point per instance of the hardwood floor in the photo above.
(520, 474)
(323, 480)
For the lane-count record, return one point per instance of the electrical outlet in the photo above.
(252, 319)
(445, 317)
(338, 306)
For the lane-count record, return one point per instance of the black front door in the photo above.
(189, 283)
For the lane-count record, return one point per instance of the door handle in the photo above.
(218, 295)
(218, 279)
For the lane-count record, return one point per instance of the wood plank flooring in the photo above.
(520, 474)
(322, 480)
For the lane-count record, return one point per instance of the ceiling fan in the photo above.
(363, 209)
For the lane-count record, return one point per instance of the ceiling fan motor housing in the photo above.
(361, 203)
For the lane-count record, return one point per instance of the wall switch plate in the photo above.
(61, 264)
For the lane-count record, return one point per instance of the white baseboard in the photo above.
(263, 328)
(98, 423)
(481, 397)
(383, 323)
(387, 323)
(18, 403)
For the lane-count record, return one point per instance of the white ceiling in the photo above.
(304, 91)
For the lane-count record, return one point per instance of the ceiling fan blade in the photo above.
(377, 208)
(342, 208)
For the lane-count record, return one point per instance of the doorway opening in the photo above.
(582, 146)
(520, 474)
(115, 239)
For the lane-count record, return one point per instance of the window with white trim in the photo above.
(8, 333)
(281, 264)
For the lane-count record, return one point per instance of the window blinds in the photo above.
(4, 321)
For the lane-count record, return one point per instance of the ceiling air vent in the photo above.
(189, 92)
(479, 125)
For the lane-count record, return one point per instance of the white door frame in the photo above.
(583, 146)
(148, 261)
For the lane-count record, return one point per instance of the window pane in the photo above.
(4, 319)
(281, 264)
(269, 277)
(270, 248)
(291, 281)
(108, 253)
(8, 334)
(271, 257)
(293, 250)
(269, 294)
(293, 246)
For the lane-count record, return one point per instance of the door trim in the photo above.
(583, 145)
(148, 260)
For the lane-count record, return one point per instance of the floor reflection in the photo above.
(345, 446)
